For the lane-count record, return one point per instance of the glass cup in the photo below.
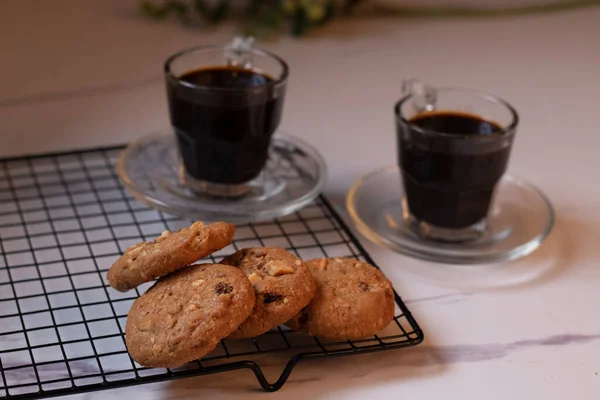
(224, 130)
(453, 147)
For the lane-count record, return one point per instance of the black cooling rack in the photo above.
(64, 218)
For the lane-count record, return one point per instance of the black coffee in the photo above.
(224, 133)
(444, 186)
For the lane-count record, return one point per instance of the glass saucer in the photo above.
(294, 175)
(520, 219)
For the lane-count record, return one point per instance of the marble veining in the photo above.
(464, 353)
(421, 356)
(447, 297)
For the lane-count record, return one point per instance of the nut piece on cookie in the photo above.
(278, 267)
(175, 321)
(282, 283)
(354, 300)
(254, 278)
(169, 252)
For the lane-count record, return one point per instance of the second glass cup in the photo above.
(451, 154)
(224, 110)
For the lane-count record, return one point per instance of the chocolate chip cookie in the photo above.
(354, 300)
(282, 283)
(185, 314)
(147, 261)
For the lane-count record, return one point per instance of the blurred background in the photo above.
(89, 73)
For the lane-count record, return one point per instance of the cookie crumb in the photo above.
(198, 282)
(173, 309)
(321, 264)
(223, 288)
(162, 237)
(197, 224)
(147, 325)
(134, 251)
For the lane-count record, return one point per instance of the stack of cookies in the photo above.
(191, 307)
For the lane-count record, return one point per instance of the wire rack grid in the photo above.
(64, 219)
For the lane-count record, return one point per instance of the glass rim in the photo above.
(508, 129)
(210, 48)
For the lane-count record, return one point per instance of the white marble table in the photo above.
(92, 76)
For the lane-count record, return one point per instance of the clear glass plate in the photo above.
(294, 175)
(520, 219)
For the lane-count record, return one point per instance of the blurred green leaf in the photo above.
(177, 8)
(300, 22)
(212, 15)
(315, 12)
(256, 6)
(350, 4)
(201, 8)
(264, 17)
(452, 11)
(270, 19)
(163, 11)
(152, 10)
(330, 11)
(289, 6)
(266, 22)
(220, 12)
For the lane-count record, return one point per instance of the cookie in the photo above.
(147, 261)
(185, 314)
(354, 300)
(282, 283)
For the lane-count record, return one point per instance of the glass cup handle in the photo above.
(239, 52)
(424, 96)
